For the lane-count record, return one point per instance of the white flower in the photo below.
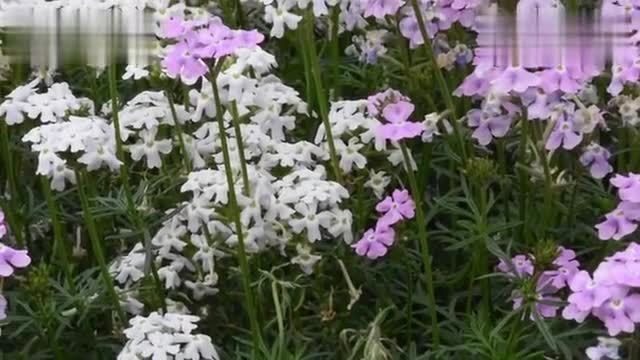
(134, 71)
(279, 16)
(608, 348)
(204, 288)
(311, 220)
(378, 182)
(16, 104)
(341, 224)
(305, 259)
(200, 347)
(158, 345)
(60, 174)
(150, 148)
(349, 155)
(430, 127)
(129, 268)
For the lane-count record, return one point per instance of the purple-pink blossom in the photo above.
(381, 8)
(515, 78)
(563, 135)
(375, 242)
(488, 125)
(398, 127)
(628, 187)
(11, 259)
(596, 158)
(198, 42)
(611, 294)
(377, 102)
(615, 226)
(397, 207)
(522, 265)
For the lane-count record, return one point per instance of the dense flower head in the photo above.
(168, 336)
(623, 220)
(200, 42)
(547, 282)
(393, 209)
(610, 294)
(381, 8)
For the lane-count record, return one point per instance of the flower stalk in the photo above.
(442, 82)
(424, 246)
(321, 96)
(96, 245)
(235, 212)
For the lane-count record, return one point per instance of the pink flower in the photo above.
(487, 125)
(515, 79)
(521, 264)
(561, 79)
(11, 258)
(587, 293)
(620, 312)
(616, 226)
(566, 269)
(397, 207)
(564, 134)
(597, 159)
(381, 8)
(181, 62)
(199, 42)
(398, 127)
(628, 187)
(375, 242)
(377, 102)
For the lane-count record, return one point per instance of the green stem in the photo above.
(424, 247)
(307, 68)
(279, 317)
(235, 214)
(335, 51)
(96, 245)
(178, 127)
(59, 246)
(634, 156)
(12, 210)
(442, 82)
(321, 97)
(240, 14)
(243, 162)
(524, 182)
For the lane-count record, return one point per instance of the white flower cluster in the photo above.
(140, 120)
(84, 140)
(50, 107)
(286, 14)
(289, 202)
(169, 337)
